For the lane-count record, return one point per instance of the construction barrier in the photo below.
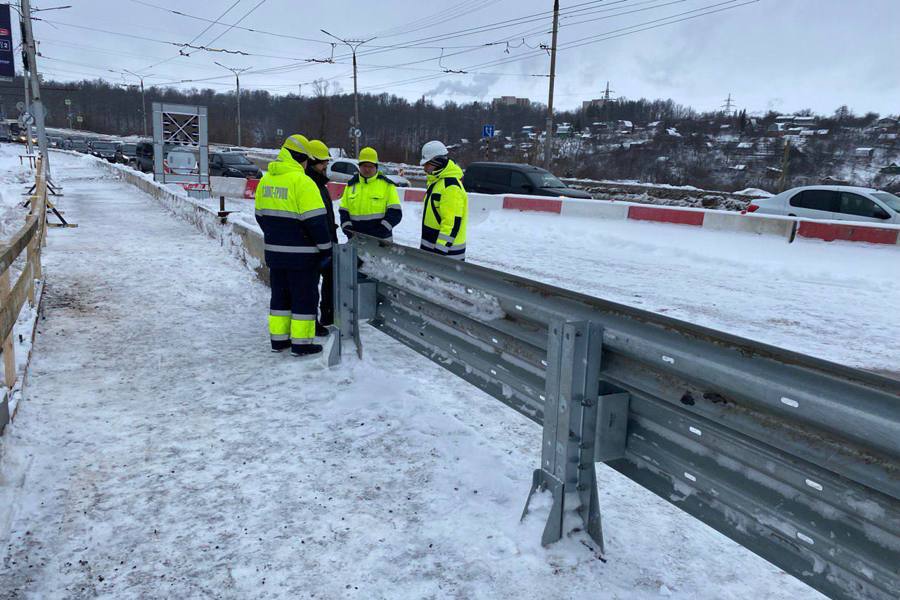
(30, 238)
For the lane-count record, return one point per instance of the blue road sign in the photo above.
(487, 131)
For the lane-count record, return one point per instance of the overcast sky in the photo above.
(784, 55)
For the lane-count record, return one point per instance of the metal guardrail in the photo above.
(795, 458)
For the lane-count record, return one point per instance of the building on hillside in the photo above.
(864, 152)
(511, 101)
(891, 169)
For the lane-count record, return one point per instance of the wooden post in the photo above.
(9, 357)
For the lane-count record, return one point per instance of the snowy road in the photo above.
(163, 452)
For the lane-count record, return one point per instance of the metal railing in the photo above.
(795, 458)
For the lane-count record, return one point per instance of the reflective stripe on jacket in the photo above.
(370, 206)
(446, 213)
(292, 216)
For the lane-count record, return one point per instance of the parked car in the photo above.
(514, 178)
(232, 164)
(180, 162)
(832, 202)
(55, 142)
(143, 157)
(78, 145)
(125, 153)
(343, 170)
(104, 149)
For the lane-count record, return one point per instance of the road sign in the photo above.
(7, 62)
(27, 118)
(20, 106)
(68, 102)
(279, 132)
(487, 131)
(355, 132)
(79, 118)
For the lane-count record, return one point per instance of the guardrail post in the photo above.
(346, 319)
(9, 357)
(570, 423)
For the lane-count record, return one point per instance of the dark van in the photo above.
(143, 157)
(514, 178)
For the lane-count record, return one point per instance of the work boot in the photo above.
(305, 349)
(322, 331)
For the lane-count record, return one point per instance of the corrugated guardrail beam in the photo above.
(795, 458)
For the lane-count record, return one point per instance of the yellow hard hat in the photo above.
(368, 155)
(298, 143)
(318, 150)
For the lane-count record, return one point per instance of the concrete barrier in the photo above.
(746, 223)
(666, 215)
(845, 232)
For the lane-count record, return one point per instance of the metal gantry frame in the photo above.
(795, 458)
(181, 125)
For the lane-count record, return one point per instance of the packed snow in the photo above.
(163, 451)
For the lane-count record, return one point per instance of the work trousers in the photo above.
(292, 310)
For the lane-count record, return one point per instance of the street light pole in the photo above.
(548, 134)
(36, 104)
(354, 46)
(143, 98)
(237, 82)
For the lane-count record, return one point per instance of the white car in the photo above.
(832, 202)
(181, 162)
(343, 170)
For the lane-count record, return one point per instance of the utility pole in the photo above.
(143, 98)
(37, 106)
(548, 134)
(354, 46)
(28, 147)
(237, 82)
(785, 164)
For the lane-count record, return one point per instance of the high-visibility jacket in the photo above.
(446, 213)
(370, 206)
(290, 211)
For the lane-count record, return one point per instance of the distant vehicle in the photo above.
(832, 202)
(143, 157)
(343, 170)
(180, 162)
(125, 153)
(78, 145)
(104, 149)
(55, 142)
(232, 164)
(514, 178)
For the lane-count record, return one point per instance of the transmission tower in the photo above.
(728, 107)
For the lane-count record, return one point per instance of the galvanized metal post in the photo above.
(346, 299)
(570, 424)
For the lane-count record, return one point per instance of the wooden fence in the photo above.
(30, 239)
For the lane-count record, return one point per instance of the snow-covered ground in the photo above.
(163, 452)
(830, 300)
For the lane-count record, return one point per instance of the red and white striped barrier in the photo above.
(716, 220)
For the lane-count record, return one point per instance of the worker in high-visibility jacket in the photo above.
(446, 211)
(290, 211)
(317, 170)
(370, 203)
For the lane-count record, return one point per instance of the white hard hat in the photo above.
(432, 150)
